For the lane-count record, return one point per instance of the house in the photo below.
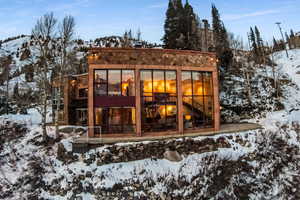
(74, 98)
(140, 92)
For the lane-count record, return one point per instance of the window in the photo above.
(82, 116)
(158, 100)
(114, 83)
(197, 99)
(115, 120)
(56, 92)
(100, 82)
(128, 85)
(83, 93)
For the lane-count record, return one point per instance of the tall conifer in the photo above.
(223, 50)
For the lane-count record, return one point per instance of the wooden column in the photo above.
(216, 100)
(91, 101)
(66, 85)
(179, 102)
(138, 103)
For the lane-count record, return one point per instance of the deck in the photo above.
(225, 128)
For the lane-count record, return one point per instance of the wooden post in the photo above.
(179, 103)
(216, 100)
(138, 103)
(66, 99)
(91, 101)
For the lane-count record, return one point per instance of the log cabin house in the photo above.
(140, 92)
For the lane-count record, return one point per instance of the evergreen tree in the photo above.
(223, 50)
(260, 45)
(181, 27)
(292, 33)
(190, 28)
(275, 44)
(253, 41)
(171, 25)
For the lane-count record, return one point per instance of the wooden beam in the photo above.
(179, 103)
(138, 116)
(91, 102)
(165, 67)
(66, 85)
(216, 101)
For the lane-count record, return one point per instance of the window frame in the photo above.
(107, 82)
(206, 122)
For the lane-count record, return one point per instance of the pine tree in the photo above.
(275, 45)
(253, 41)
(260, 44)
(171, 25)
(292, 33)
(190, 28)
(223, 50)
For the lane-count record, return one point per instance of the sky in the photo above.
(97, 18)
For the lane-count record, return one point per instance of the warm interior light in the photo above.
(73, 82)
(147, 86)
(125, 85)
(133, 114)
(188, 117)
(188, 91)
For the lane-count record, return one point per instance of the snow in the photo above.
(32, 118)
(108, 175)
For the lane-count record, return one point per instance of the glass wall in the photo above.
(119, 84)
(158, 100)
(114, 82)
(115, 120)
(197, 99)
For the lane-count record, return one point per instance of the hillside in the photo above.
(262, 164)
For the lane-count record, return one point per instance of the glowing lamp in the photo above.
(188, 117)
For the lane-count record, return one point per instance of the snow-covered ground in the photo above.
(253, 158)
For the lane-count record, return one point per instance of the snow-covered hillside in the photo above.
(262, 164)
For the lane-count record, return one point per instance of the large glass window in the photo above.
(158, 100)
(128, 85)
(100, 80)
(197, 99)
(115, 120)
(114, 82)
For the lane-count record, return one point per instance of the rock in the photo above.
(88, 174)
(61, 152)
(173, 156)
(81, 177)
(236, 119)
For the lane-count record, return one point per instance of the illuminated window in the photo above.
(114, 83)
(115, 120)
(128, 85)
(197, 99)
(158, 100)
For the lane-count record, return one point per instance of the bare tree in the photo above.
(44, 33)
(65, 60)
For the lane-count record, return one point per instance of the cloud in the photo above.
(253, 14)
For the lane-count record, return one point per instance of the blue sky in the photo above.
(95, 18)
